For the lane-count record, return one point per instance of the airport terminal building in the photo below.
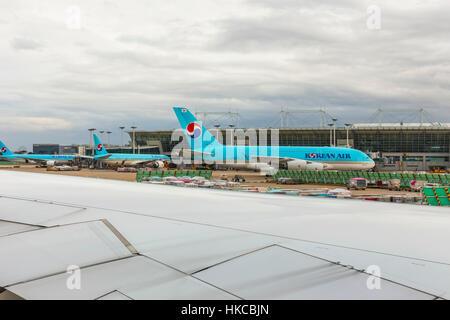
(393, 146)
(50, 148)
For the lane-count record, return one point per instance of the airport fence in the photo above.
(173, 173)
(343, 177)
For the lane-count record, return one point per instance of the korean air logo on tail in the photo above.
(194, 130)
(99, 147)
(4, 149)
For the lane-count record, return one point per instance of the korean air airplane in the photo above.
(293, 157)
(45, 159)
(125, 159)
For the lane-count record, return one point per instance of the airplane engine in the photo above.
(297, 165)
(258, 166)
(316, 166)
(158, 164)
(51, 163)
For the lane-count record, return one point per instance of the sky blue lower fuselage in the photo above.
(319, 154)
(40, 157)
(127, 156)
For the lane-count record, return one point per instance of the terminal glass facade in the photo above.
(402, 140)
(377, 140)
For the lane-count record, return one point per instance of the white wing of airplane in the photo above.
(106, 156)
(279, 159)
(193, 152)
(34, 160)
(143, 241)
(44, 161)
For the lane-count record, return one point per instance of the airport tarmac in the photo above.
(253, 179)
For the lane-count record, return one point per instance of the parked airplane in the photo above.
(46, 159)
(293, 157)
(125, 159)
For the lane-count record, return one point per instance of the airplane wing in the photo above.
(212, 244)
(194, 152)
(281, 160)
(104, 157)
(84, 157)
(30, 158)
(44, 161)
(144, 162)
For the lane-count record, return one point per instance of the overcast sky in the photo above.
(67, 66)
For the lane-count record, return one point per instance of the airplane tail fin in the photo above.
(197, 135)
(5, 150)
(99, 148)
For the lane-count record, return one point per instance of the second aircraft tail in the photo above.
(99, 148)
(5, 150)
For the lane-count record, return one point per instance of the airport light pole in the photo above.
(108, 133)
(121, 135)
(334, 132)
(134, 137)
(331, 134)
(91, 142)
(217, 130)
(347, 126)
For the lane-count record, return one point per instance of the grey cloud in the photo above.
(126, 38)
(25, 44)
(293, 4)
